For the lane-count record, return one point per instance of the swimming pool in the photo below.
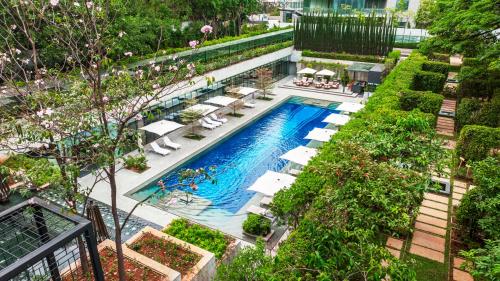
(243, 157)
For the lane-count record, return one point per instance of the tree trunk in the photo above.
(118, 232)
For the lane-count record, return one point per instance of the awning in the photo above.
(325, 72)
(307, 70)
(300, 155)
(162, 127)
(350, 107)
(272, 182)
(245, 91)
(337, 119)
(320, 134)
(204, 109)
(221, 100)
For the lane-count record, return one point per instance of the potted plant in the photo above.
(190, 116)
(257, 226)
(137, 163)
(264, 82)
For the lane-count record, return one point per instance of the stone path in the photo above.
(394, 246)
(445, 126)
(448, 106)
(429, 238)
(459, 274)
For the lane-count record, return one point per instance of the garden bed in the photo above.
(137, 267)
(193, 263)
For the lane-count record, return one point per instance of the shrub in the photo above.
(439, 57)
(471, 62)
(406, 45)
(477, 142)
(427, 102)
(257, 225)
(484, 263)
(211, 240)
(394, 55)
(342, 56)
(39, 170)
(138, 163)
(439, 67)
(428, 81)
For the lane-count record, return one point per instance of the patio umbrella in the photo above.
(350, 107)
(325, 72)
(320, 134)
(337, 119)
(204, 109)
(221, 100)
(162, 127)
(300, 155)
(272, 182)
(307, 70)
(94, 215)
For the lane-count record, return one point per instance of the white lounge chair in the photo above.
(206, 125)
(168, 143)
(157, 149)
(210, 121)
(260, 211)
(266, 201)
(215, 118)
(249, 105)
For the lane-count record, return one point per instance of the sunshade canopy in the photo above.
(320, 134)
(204, 109)
(300, 155)
(272, 182)
(307, 70)
(245, 91)
(350, 107)
(325, 72)
(337, 119)
(221, 100)
(162, 127)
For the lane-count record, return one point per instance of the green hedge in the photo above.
(427, 102)
(440, 57)
(435, 66)
(406, 45)
(476, 142)
(475, 112)
(342, 56)
(428, 81)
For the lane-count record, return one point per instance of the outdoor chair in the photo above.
(212, 122)
(207, 125)
(218, 119)
(168, 143)
(157, 149)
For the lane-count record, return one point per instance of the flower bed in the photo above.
(191, 262)
(224, 247)
(136, 267)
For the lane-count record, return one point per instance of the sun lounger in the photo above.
(157, 149)
(206, 125)
(212, 122)
(168, 143)
(294, 172)
(215, 118)
(266, 201)
(249, 105)
(260, 211)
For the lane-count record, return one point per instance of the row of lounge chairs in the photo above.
(212, 121)
(165, 141)
(306, 82)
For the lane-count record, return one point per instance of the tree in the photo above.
(344, 79)
(264, 81)
(427, 13)
(190, 116)
(90, 109)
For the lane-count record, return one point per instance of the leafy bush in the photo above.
(484, 263)
(39, 170)
(394, 55)
(477, 142)
(474, 112)
(439, 67)
(211, 240)
(439, 57)
(342, 56)
(406, 45)
(427, 102)
(257, 225)
(478, 81)
(479, 212)
(471, 62)
(138, 163)
(428, 81)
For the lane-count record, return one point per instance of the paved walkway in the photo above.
(429, 238)
(445, 126)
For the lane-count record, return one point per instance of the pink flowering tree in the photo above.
(80, 111)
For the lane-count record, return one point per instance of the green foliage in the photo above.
(476, 142)
(434, 66)
(252, 263)
(428, 81)
(484, 263)
(394, 55)
(39, 170)
(474, 112)
(427, 102)
(342, 56)
(406, 45)
(257, 225)
(362, 34)
(426, 14)
(478, 81)
(439, 57)
(139, 162)
(479, 212)
(211, 240)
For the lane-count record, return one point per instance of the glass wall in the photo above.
(344, 5)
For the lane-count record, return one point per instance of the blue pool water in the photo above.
(246, 155)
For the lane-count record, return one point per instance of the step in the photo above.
(432, 221)
(457, 196)
(436, 197)
(435, 205)
(457, 262)
(394, 243)
(394, 252)
(459, 275)
(460, 183)
(427, 253)
(430, 228)
(460, 190)
(433, 213)
(430, 241)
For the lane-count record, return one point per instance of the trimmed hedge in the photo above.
(428, 81)
(476, 142)
(406, 45)
(440, 57)
(427, 102)
(435, 66)
(342, 56)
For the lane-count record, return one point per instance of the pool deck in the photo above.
(128, 181)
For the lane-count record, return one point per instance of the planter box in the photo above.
(168, 274)
(265, 238)
(232, 251)
(203, 270)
